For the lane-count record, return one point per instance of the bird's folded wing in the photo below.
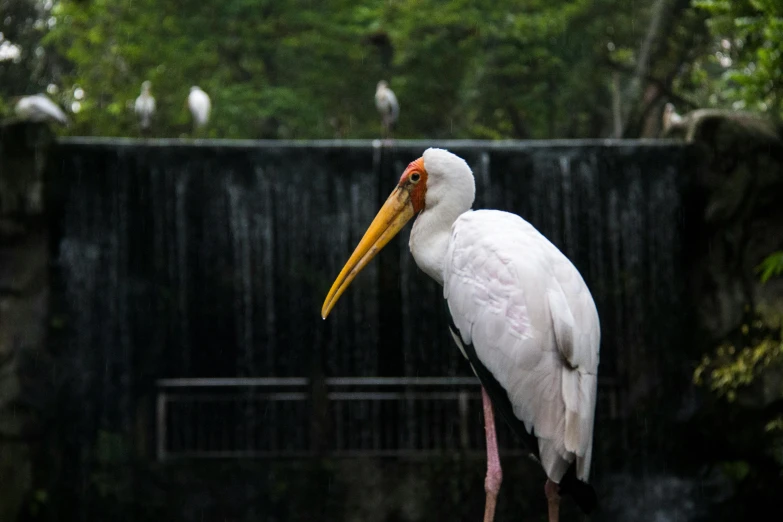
(534, 326)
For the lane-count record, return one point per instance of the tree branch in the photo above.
(655, 81)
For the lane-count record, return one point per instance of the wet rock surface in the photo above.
(26, 392)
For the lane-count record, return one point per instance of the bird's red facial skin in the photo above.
(417, 186)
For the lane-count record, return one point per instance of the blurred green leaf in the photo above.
(772, 266)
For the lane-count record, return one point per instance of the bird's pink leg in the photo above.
(494, 472)
(552, 491)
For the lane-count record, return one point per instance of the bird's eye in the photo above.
(415, 177)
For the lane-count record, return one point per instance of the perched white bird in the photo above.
(199, 105)
(520, 313)
(39, 107)
(145, 106)
(387, 105)
(670, 117)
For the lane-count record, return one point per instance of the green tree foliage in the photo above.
(771, 267)
(304, 69)
(740, 360)
(25, 66)
(743, 70)
(461, 69)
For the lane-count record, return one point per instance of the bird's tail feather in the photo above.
(582, 492)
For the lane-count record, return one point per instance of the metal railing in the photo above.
(340, 417)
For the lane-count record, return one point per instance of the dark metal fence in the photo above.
(271, 417)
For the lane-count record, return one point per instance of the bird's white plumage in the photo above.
(199, 105)
(39, 107)
(533, 323)
(387, 105)
(670, 117)
(521, 304)
(450, 192)
(145, 106)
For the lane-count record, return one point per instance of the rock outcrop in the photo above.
(742, 220)
(24, 297)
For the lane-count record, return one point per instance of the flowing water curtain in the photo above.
(211, 262)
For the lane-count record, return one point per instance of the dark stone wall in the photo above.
(26, 391)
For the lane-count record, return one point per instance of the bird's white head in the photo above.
(195, 88)
(146, 86)
(450, 186)
(382, 85)
(438, 182)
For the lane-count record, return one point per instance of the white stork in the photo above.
(145, 106)
(387, 105)
(520, 313)
(199, 105)
(39, 107)
(670, 117)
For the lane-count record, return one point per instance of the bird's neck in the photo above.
(430, 238)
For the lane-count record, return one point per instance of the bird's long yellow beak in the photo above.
(394, 214)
